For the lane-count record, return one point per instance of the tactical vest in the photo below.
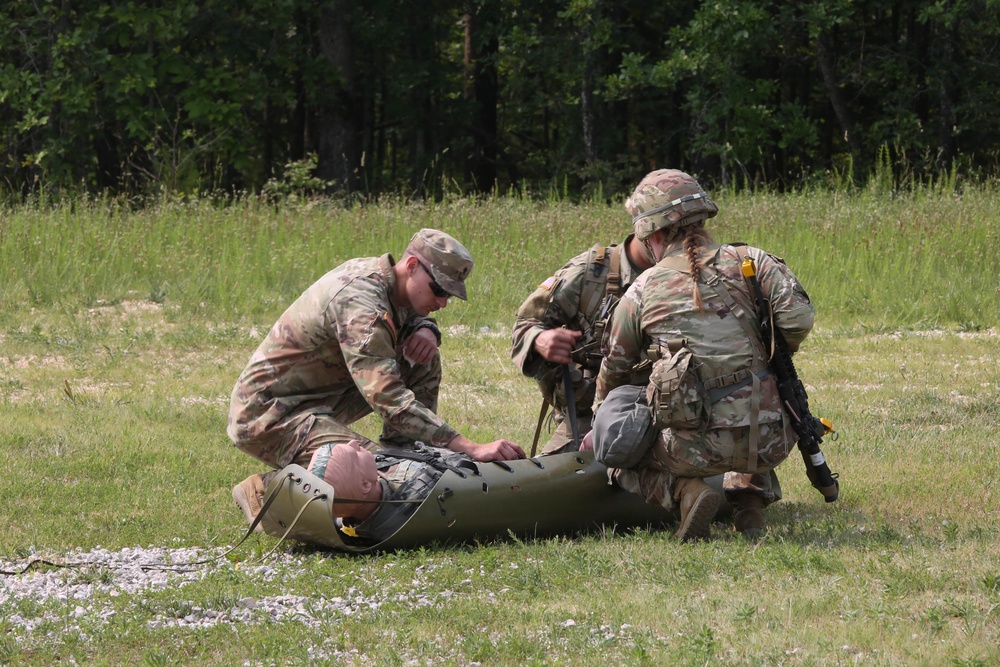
(598, 298)
(602, 288)
(716, 388)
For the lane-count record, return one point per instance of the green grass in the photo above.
(121, 334)
(920, 260)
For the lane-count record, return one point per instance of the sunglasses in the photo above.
(435, 288)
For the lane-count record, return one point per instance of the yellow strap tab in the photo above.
(748, 268)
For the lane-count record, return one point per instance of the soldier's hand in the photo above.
(498, 450)
(587, 445)
(420, 347)
(555, 345)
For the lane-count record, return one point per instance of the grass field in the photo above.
(122, 332)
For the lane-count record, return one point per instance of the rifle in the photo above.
(567, 379)
(793, 394)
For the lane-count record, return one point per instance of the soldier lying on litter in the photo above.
(355, 501)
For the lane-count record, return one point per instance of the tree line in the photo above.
(420, 96)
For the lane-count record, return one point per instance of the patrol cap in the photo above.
(448, 260)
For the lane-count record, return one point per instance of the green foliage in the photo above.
(444, 96)
(299, 180)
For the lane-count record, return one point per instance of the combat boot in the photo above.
(698, 502)
(249, 496)
(748, 517)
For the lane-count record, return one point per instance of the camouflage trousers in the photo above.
(718, 451)
(305, 431)
(657, 486)
(562, 438)
(553, 392)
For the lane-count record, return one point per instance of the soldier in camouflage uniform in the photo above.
(694, 311)
(359, 340)
(562, 322)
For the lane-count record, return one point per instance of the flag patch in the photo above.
(548, 282)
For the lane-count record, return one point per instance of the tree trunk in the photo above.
(482, 51)
(828, 69)
(339, 131)
(586, 102)
(588, 75)
(948, 95)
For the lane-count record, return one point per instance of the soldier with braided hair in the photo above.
(713, 400)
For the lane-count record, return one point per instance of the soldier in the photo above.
(358, 340)
(561, 325)
(713, 399)
(379, 490)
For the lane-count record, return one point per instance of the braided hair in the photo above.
(693, 237)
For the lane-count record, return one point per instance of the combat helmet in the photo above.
(665, 198)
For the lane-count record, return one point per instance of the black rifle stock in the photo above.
(793, 394)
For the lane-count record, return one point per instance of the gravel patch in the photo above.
(85, 590)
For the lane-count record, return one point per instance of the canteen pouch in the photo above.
(676, 395)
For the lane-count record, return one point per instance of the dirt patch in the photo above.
(23, 361)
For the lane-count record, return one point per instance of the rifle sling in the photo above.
(538, 427)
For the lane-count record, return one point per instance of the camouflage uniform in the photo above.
(559, 301)
(659, 307)
(336, 355)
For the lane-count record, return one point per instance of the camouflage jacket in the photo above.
(342, 337)
(558, 301)
(659, 307)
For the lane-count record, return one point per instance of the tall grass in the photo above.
(923, 259)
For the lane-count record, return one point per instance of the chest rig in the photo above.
(598, 299)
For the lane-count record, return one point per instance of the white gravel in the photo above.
(86, 593)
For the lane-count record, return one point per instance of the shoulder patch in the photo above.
(548, 282)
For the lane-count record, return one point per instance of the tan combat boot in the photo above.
(748, 517)
(698, 502)
(249, 496)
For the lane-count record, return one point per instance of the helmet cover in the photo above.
(667, 198)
